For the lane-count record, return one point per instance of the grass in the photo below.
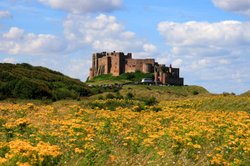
(247, 94)
(122, 79)
(162, 93)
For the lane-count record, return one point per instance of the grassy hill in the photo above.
(123, 78)
(247, 94)
(163, 92)
(29, 82)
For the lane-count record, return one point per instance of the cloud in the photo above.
(238, 6)
(204, 34)
(177, 62)
(212, 53)
(77, 68)
(203, 39)
(5, 14)
(102, 33)
(17, 41)
(149, 48)
(84, 6)
(9, 60)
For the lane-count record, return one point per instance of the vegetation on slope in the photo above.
(215, 102)
(123, 78)
(162, 93)
(182, 132)
(28, 82)
(246, 94)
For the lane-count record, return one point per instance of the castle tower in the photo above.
(116, 63)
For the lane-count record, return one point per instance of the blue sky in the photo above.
(208, 39)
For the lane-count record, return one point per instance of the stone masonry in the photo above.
(117, 63)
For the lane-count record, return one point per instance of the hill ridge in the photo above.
(37, 82)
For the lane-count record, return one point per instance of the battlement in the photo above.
(117, 63)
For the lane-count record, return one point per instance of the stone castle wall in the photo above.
(143, 65)
(117, 63)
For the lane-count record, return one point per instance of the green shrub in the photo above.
(110, 96)
(195, 92)
(118, 96)
(138, 108)
(24, 89)
(226, 94)
(135, 76)
(64, 93)
(100, 97)
(29, 89)
(150, 101)
(95, 90)
(129, 95)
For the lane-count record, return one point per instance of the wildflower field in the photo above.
(213, 130)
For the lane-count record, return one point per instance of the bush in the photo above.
(118, 96)
(138, 108)
(129, 95)
(63, 93)
(130, 76)
(29, 89)
(95, 90)
(135, 76)
(228, 94)
(151, 101)
(6, 76)
(110, 96)
(2, 97)
(100, 97)
(195, 92)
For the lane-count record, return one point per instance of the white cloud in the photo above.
(204, 34)
(84, 6)
(224, 61)
(102, 33)
(9, 60)
(196, 40)
(5, 14)
(210, 52)
(177, 62)
(78, 68)
(239, 6)
(149, 47)
(14, 33)
(17, 41)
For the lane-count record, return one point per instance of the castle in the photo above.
(117, 63)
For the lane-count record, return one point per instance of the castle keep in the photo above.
(117, 63)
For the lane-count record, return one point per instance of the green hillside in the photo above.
(163, 92)
(123, 78)
(247, 94)
(28, 82)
